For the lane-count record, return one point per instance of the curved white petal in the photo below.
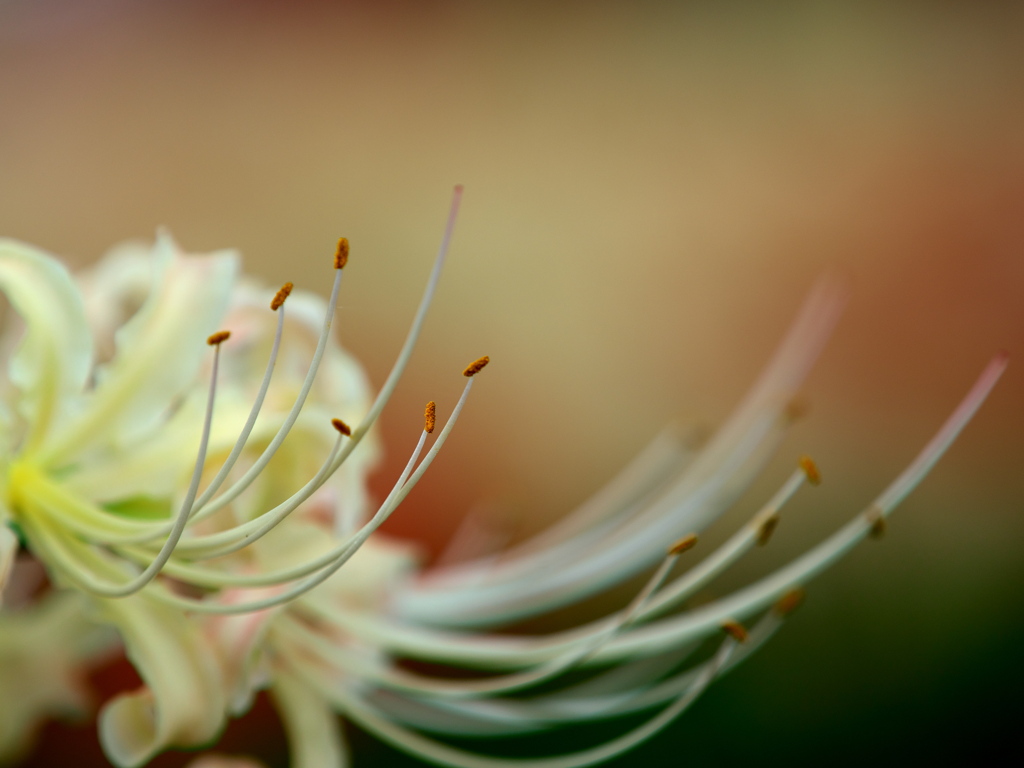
(53, 360)
(158, 351)
(44, 652)
(183, 702)
(314, 735)
(114, 289)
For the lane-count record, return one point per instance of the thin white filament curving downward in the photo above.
(397, 495)
(479, 594)
(260, 464)
(250, 422)
(236, 451)
(413, 336)
(420, 746)
(727, 554)
(209, 577)
(623, 690)
(398, 679)
(378, 405)
(404, 638)
(242, 535)
(102, 588)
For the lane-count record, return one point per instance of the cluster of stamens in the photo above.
(162, 547)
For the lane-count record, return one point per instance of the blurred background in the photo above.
(651, 189)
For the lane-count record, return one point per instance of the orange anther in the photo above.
(476, 366)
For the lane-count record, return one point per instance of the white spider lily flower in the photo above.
(231, 558)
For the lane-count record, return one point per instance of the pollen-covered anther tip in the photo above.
(736, 631)
(685, 543)
(811, 470)
(283, 293)
(341, 254)
(476, 366)
(878, 523)
(218, 338)
(342, 427)
(789, 602)
(766, 529)
(429, 417)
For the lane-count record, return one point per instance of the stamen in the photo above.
(240, 536)
(575, 653)
(326, 564)
(476, 595)
(341, 253)
(476, 366)
(429, 417)
(217, 338)
(108, 589)
(736, 631)
(236, 451)
(384, 395)
(283, 293)
(268, 453)
(685, 543)
(931, 453)
(767, 590)
(367, 717)
(243, 535)
(811, 470)
(198, 511)
(592, 701)
(789, 602)
(246, 533)
(876, 517)
(342, 427)
(766, 530)
(758, 530)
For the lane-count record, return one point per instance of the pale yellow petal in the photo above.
(314, 734)
(45, 651)
(158, 351)
(182, 703)
(53, 360)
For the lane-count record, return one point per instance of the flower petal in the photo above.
(158, 351)
(53, 360)
(314, 737)
(182, 703)
(45, 650)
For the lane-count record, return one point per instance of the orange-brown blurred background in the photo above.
(651, 189)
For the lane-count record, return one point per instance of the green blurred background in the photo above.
(651, 188)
